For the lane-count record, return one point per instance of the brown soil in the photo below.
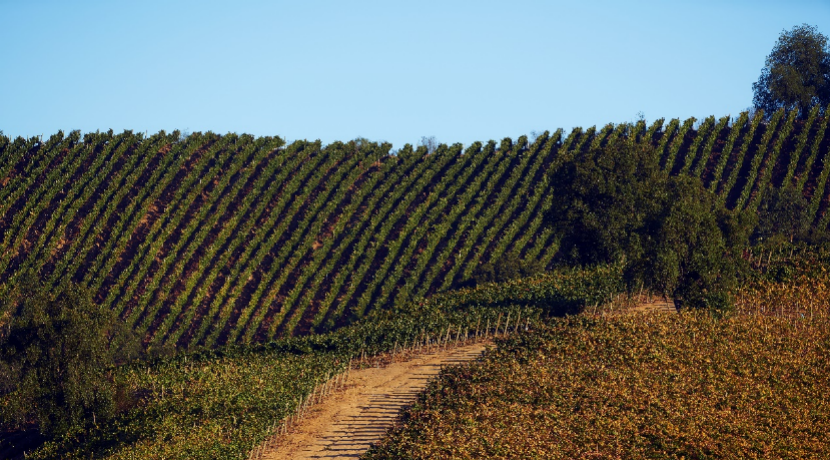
(635, 304)
(344, 426)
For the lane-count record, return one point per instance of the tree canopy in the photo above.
(55, 349)
(796, 73)
(673, 236)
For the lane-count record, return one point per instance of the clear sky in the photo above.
(385, 70)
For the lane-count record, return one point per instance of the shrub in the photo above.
(614, 204)
(784, 216)
(55, 351)
(506, 269)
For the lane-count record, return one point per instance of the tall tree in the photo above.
(796, 74)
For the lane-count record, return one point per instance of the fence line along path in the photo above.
(349, 420)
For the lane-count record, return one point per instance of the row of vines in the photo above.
(224, 403)
(210, 239)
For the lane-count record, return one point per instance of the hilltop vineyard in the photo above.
(210, 239)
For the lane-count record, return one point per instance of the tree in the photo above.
(614, 204)
(691, 248)
(430, 143)
(55, 351)
(785, 217)
(603, 197)
(535, 135)
(796, 73)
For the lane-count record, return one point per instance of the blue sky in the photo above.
(384, 70)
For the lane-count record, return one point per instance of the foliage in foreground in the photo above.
(55, 349)
(218, 404)
(636, 387)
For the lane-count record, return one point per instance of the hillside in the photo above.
(231, 402)
(224, 403)
(210, 239)
(640, 386)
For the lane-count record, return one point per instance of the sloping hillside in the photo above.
(640, 386)
(215, 239)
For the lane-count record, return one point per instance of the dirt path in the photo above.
(360, 413)
(634, 305)
(662, 305)
(349, 420)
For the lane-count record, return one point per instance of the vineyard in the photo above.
(648, 386)
(224, 403)
(210, 240)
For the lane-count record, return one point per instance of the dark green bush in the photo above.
(509, 267)
(691, 248)
(603, 197)
(784, 217)
(615, 204)
(55, 351)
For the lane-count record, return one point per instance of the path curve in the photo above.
(344, 426)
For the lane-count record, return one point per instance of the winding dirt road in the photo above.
(349, 420)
